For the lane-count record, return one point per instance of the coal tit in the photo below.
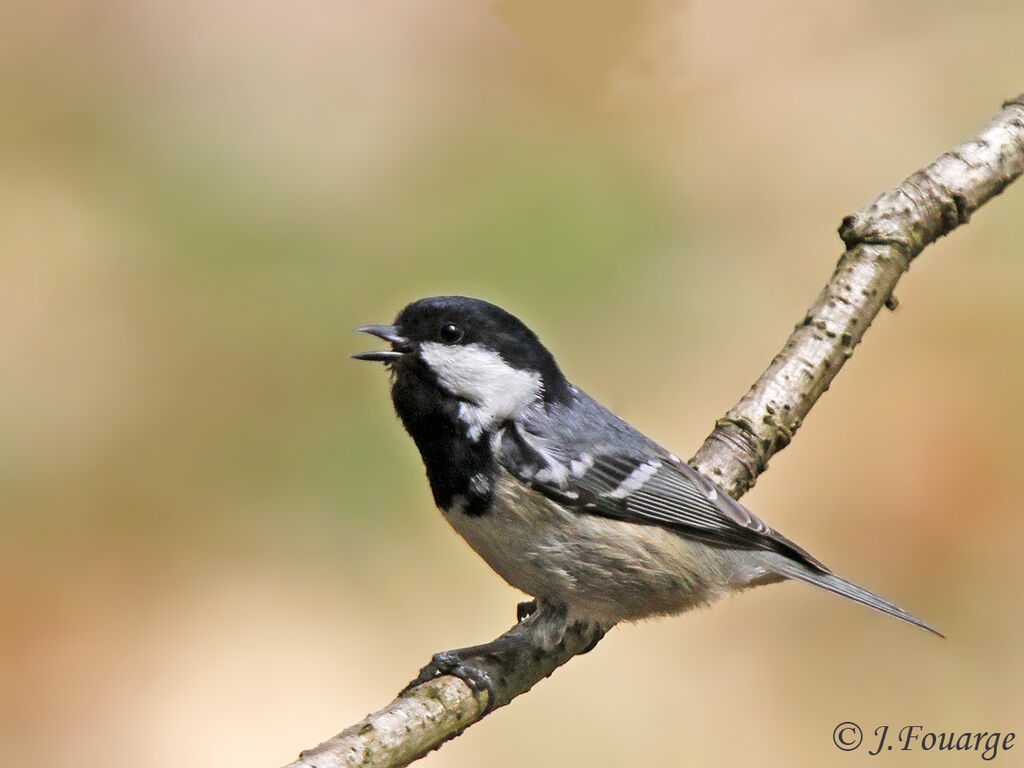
(563, 499)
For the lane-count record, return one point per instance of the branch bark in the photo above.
(881, 241)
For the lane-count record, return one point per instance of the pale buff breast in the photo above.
(602, 570)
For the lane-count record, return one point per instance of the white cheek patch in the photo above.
(493, 389)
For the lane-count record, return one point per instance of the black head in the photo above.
(462, 369)
(463, 344)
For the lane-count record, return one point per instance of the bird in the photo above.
(563, 499)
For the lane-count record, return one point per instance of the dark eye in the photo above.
(451, 333)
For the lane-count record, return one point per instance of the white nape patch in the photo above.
(579, 466)
(636, 479)
(493, 389)
(674, 459)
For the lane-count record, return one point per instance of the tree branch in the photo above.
(881, 241)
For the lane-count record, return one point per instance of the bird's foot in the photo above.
(457, 663)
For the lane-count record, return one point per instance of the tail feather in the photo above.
(831, 582)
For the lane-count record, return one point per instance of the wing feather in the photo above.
(651, 488)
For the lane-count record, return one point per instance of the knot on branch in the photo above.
(937, 199)
(734, 455)
(922, 209)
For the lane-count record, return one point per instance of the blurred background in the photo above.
(217, 546)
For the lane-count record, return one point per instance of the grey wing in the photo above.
(650, 488)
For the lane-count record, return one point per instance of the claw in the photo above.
(452, 663)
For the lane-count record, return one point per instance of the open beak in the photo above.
(400, 346)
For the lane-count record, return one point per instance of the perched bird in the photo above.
(563, 499)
